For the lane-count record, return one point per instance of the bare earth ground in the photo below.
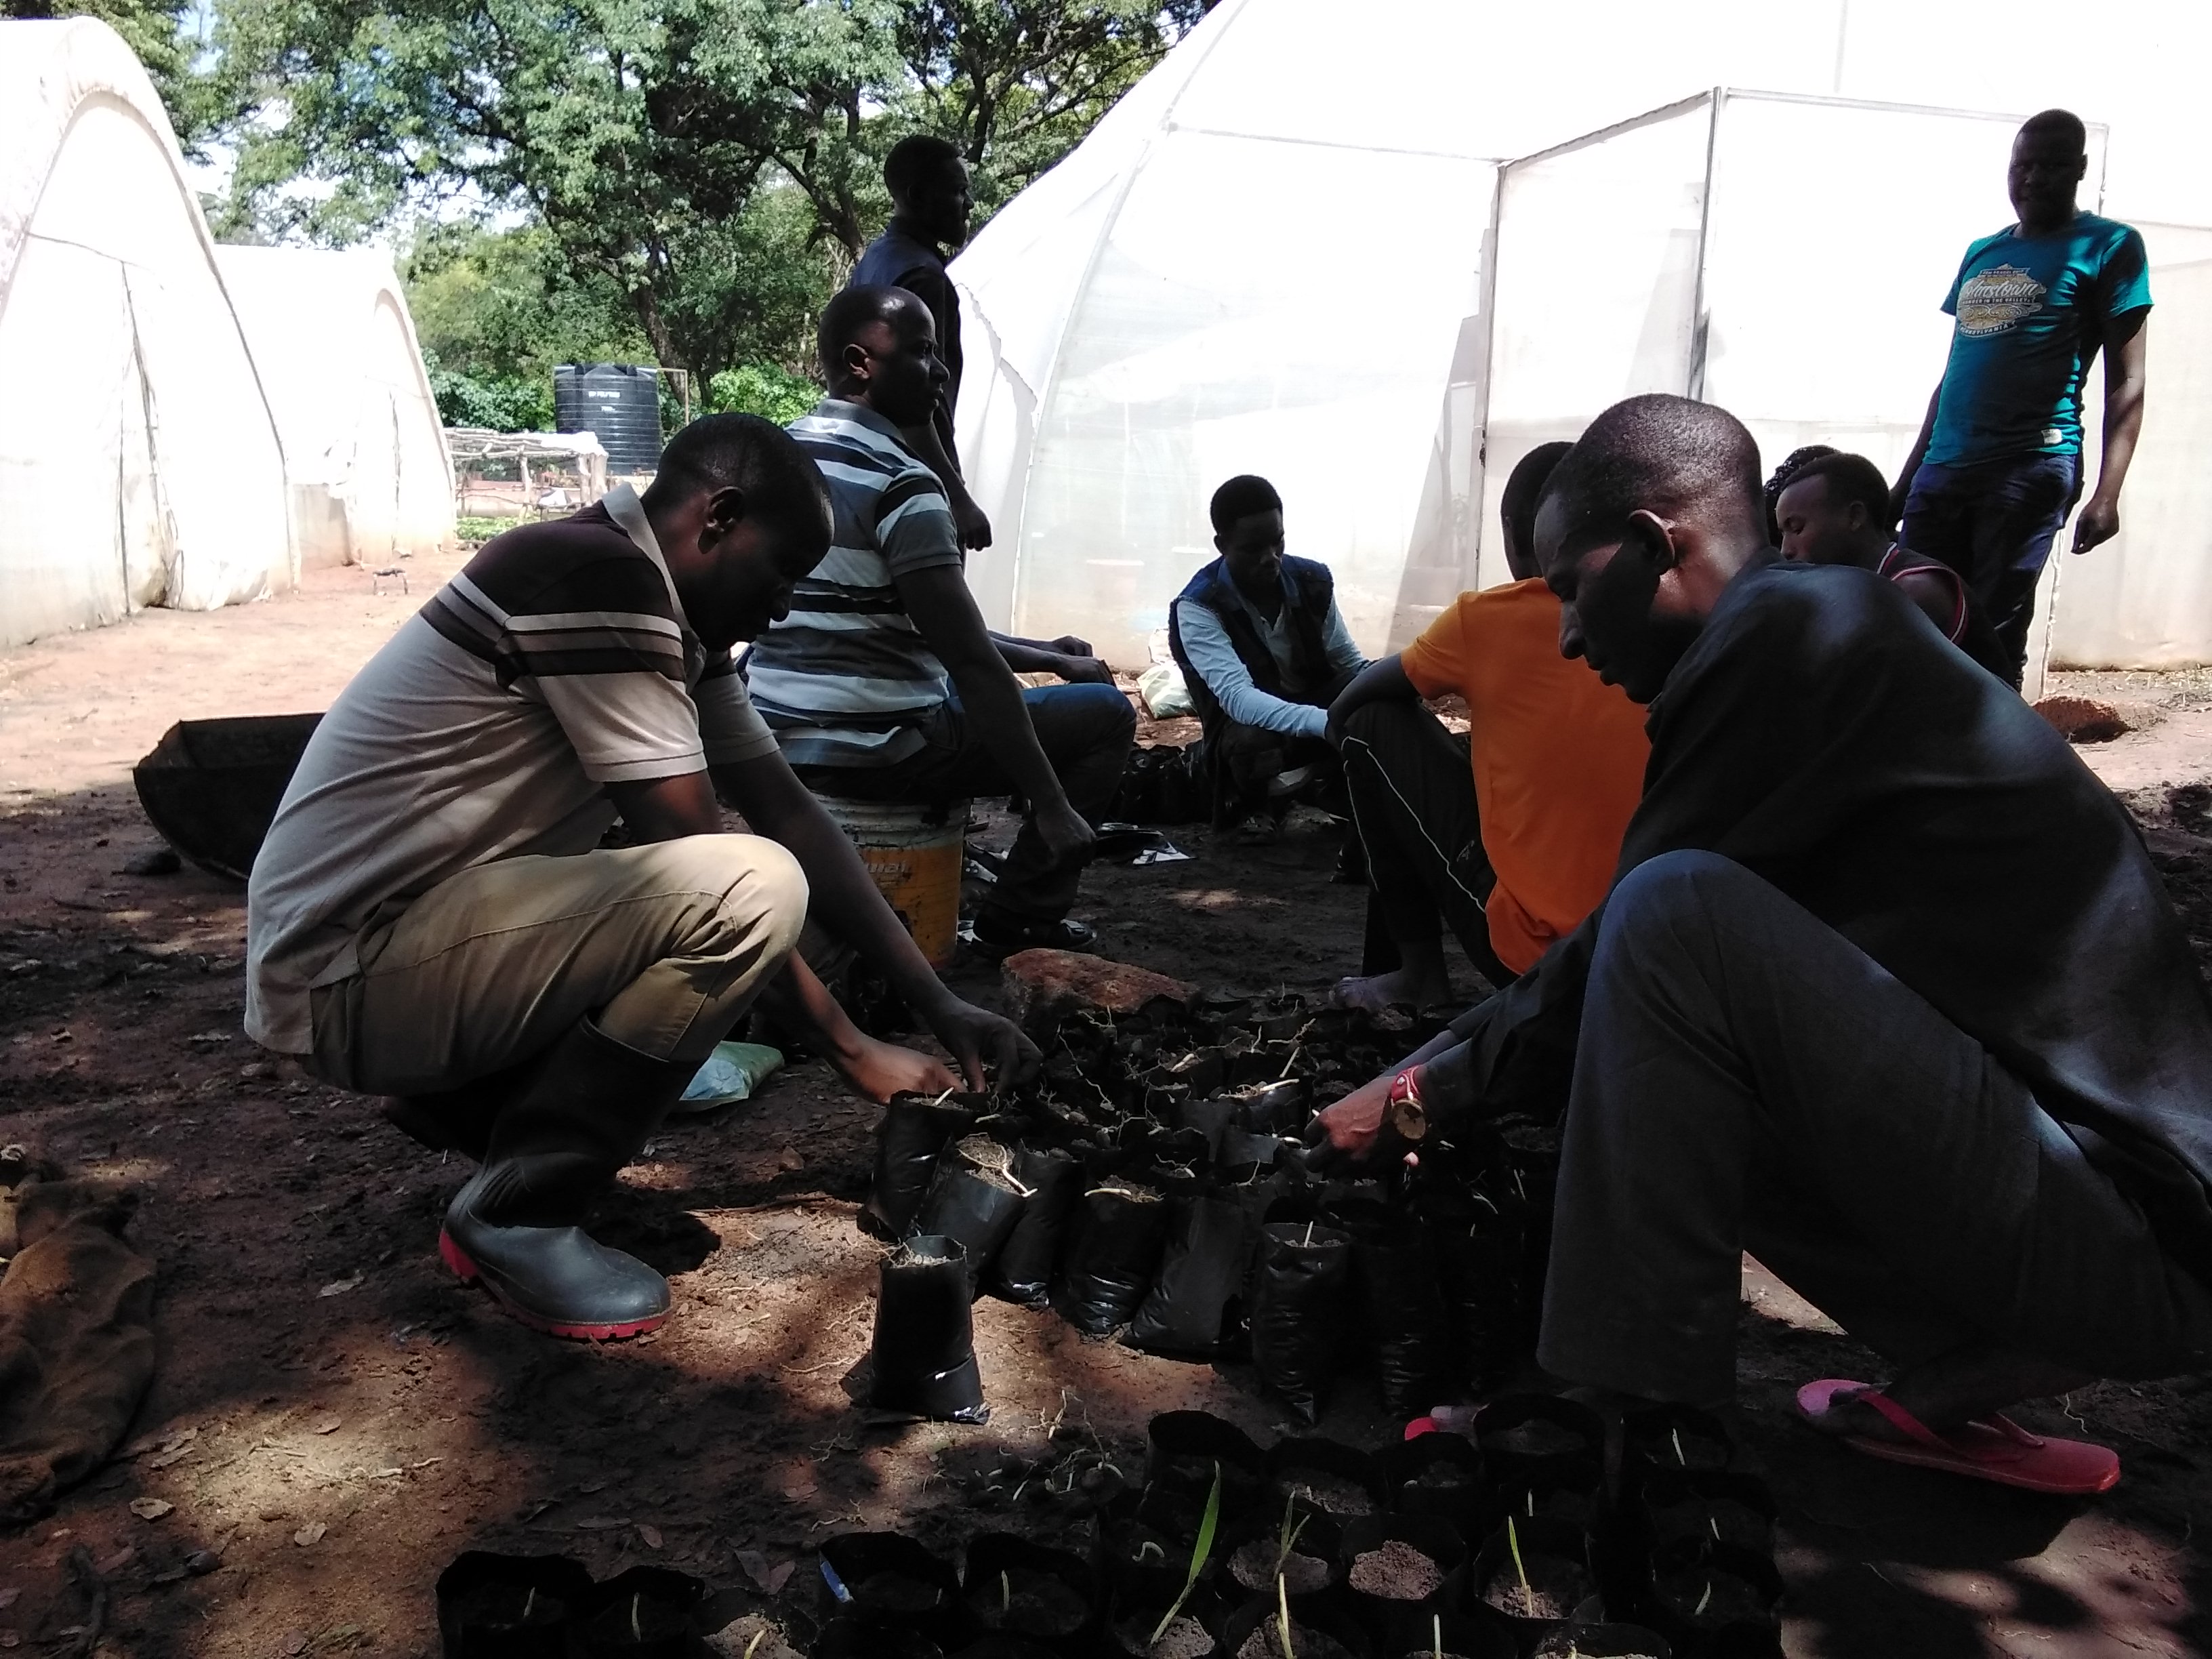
(335, 1418)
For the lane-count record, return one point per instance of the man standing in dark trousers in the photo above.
(1887, 992)
(930, 203)
(1998, 465)
(1509, 836)
(883, 685)
(1263, 651)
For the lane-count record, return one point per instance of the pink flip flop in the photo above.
(1996, 1449)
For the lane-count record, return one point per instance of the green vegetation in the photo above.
(1201, 1548)
(762, 389)
(166, 35)
(678, 182)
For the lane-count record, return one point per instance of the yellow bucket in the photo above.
(914, 853)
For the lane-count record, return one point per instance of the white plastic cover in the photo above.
(2144, 599)
(138, 462)
(1269, 258)
(1595, 290)
(363, 447)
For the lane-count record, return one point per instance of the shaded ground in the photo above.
(336, 1419)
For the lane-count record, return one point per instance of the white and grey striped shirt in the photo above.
(847, 679)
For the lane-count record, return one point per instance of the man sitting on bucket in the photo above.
(1886, 991)
(432, 916)
(883, 685)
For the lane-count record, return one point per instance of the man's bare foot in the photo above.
(1949, 1392)
(1401, 987)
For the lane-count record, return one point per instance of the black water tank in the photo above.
(620, 403)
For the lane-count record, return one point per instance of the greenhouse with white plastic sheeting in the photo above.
(1328, 267)
(364, 449)
(1668, 254)
(138, 462)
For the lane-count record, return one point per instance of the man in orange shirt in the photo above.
(1515, 849)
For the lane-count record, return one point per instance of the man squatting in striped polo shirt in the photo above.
(883, 685)
(432, 915)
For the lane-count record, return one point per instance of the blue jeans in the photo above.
(1747, 1078)
(1993, 522)
(1085, 731)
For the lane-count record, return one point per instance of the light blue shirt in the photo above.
(1206, 642)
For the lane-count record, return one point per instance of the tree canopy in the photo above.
(686, 180)
(167, 36)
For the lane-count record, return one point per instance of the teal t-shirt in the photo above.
(2030, 315)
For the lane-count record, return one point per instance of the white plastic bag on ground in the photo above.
(730, 1073)
(1164, 693)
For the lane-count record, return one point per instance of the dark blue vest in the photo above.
(1213, 588)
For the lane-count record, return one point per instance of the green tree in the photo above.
(501, 305)
(167, 36)
(1018, 84)
(762, 389)
(715, 163)
(636, 133)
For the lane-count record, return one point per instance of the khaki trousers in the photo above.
(662, 945)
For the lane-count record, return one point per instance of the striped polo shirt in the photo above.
(847, 679)
(556, 662)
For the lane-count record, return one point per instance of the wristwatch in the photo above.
(1406, 1114)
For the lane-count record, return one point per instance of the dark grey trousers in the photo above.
(1749, 1079)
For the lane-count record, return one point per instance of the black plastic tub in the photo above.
(212, 788)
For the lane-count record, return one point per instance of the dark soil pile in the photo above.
(1332, 1494)
(1535, 1438)
(1395, 1572)
(1554, 1590)
(1267, 1643)
(1032, 1603)
(894, 1595)
(1183, 1638)
(1256, 1567)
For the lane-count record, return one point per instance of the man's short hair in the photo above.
(2061, 123)
(1524, 488)
(1240, 497)
(1659, 453)
(1850, 478)
(1795, 459)
(913, 161)
(850, 310)
(741, 452)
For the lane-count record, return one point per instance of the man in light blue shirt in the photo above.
(1263, 650)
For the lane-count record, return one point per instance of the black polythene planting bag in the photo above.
(1479, 1266)
(511, 1607)
(923, 1358)
(971, 1209)
(1022, 1272)
(1301, 1302)
(1396, 1274)
(1119, 1238)
(915, 1131)
(645, 1613)
(1199, 1278)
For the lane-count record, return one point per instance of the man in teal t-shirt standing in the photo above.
(1998, 463)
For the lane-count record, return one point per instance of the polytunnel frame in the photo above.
(1018, 573)
(1167, 127)
(1714, 101)
(68, 68)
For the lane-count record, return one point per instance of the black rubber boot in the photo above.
(515, 1225)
